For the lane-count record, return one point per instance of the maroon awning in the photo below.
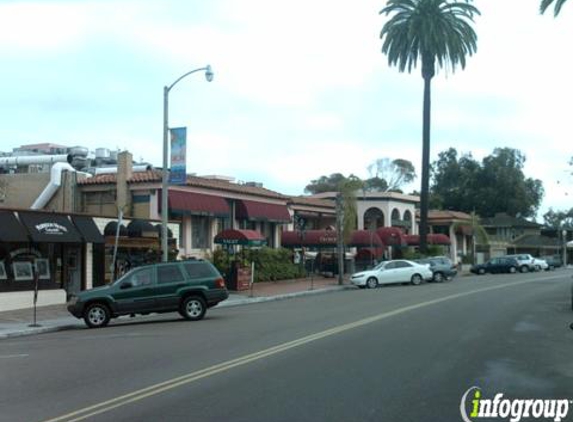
(364, 254)
(315, 238)
(392, 236)
(262, 211)
(412, 239)
(438, 239)
(365, 238)
(191, 203)
(432, 239)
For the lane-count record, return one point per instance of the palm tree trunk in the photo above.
(425, 167)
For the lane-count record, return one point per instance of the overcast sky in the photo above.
(301, 88)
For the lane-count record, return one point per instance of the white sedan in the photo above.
(540, 264)
(396, 271)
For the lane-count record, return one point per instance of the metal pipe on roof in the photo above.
(26, 160)
(113, 170)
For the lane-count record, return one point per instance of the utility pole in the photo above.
(339, 244)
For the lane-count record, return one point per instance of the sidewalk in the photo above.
(56, 317)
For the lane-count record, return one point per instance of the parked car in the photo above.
(526, 262)
(188, 287)
(540, 264)
(553, 261)
(497, 265)
(396, 271)
(442, 267)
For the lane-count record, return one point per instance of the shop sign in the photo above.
(51, 229)
(328, 239)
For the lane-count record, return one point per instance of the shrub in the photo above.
(270, 264)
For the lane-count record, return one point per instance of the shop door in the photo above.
(73, 270)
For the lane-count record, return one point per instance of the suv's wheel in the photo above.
(193, 308)
(524, 269)
(97, 315)
(512, 270)
(481, 271)
(416, 279)
(438, 277)
(372, 283)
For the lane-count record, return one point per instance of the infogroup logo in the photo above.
(511, 409)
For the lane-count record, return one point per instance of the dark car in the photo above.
(496, 265)
(442, 267)
(188, 287)
(553, 261)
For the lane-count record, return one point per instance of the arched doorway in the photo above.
(395, 217)
(373, 218)
(408, 222)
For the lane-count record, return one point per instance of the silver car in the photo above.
(526, 262)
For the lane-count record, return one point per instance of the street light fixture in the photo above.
(165, 173)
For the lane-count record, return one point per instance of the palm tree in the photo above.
(436, 32)
(546, 3)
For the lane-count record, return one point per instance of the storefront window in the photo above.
(200, 232)
(223, 223)
(20, 262)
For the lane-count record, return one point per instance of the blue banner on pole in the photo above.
(178, 175)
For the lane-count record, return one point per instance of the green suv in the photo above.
(188, 287)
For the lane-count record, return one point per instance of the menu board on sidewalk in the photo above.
(243, 278)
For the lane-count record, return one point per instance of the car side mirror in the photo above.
(126, 285)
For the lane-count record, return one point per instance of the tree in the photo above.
(497, 184)
(349, 209)
(437, 32)
(454, 180)
(546, 3)
(394, 173)
(559, 220)
(332, 183)
(375, 184)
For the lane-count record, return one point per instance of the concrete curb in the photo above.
(28, 331)
(262, 299)
(39, 330)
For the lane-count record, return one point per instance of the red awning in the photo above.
(432, 239)
(392, 236)
(365, 238)
(316, 238)
(364, 254)
(181, 202)
(262, 211)
(240, 237)
(438, 239)
(412, 239)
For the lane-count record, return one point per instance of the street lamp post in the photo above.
(165, 172)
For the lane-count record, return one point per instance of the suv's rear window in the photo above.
(200, 270)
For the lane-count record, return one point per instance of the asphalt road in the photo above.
(399, 353)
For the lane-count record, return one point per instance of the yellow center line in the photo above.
(96, 409)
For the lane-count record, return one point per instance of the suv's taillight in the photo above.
(220, 283)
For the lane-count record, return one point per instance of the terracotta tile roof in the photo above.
(154, 176)
(313, 202)
(448, 215)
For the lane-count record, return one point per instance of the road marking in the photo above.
(22, 355)
(96, 409)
